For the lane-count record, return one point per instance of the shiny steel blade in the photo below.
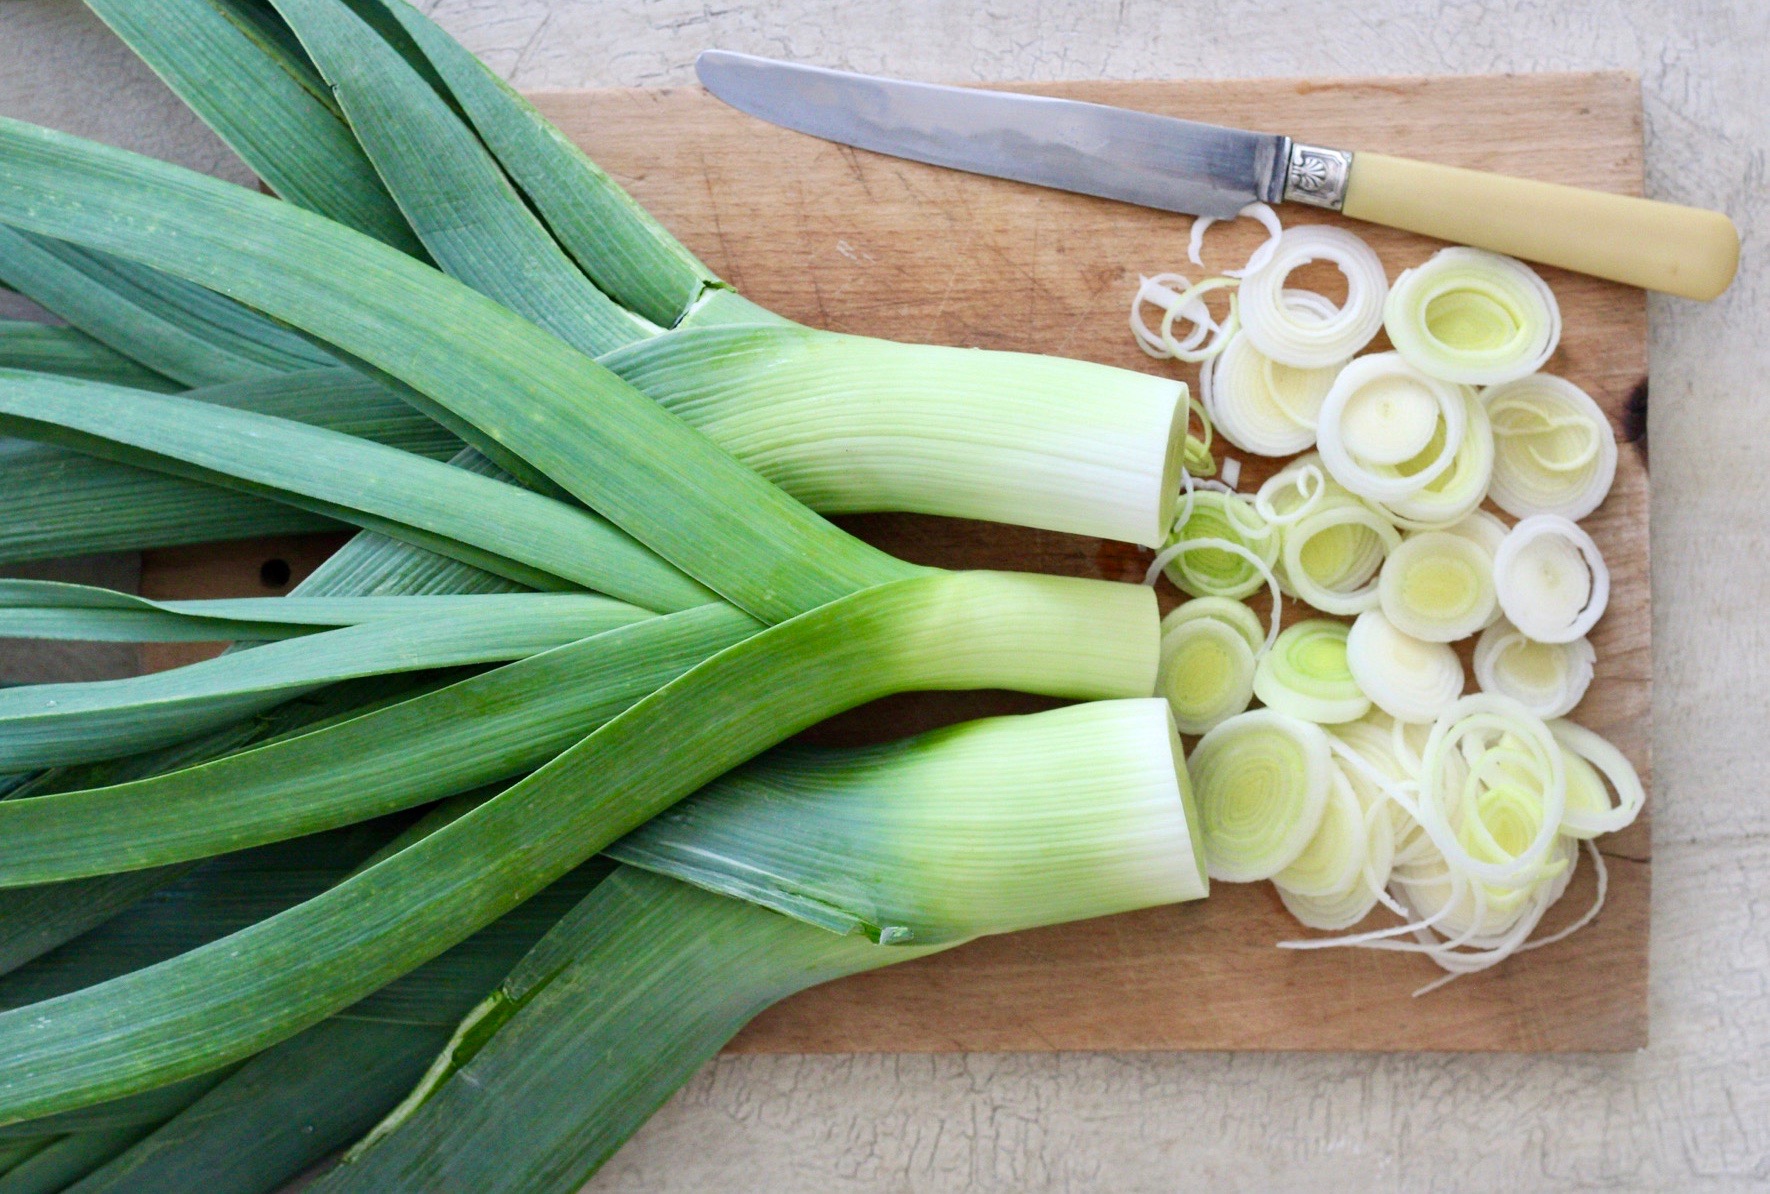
(1116, 153)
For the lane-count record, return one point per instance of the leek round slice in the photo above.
(1455, 493)
(1386, 430)
(1474, 317)
(1551, 579)
(1405, 677)
(1297, 336)
(1368, 752)
(1554, 452)
(1189, 299)
(1334, 859)
(1330, 557)
(1488, 530)
(1198, 563)
(1589, 811)
(1261, 783)
(1235, 614)
(1346, 907)
(1306, 675)
(1549, 679)
(1206, 672)
(1261, 405)
(1496, 825)
(1437, 587)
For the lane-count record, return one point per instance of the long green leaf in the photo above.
(69, 1159)
(531, 538)
(57, 502)
(618, 243)
(185, 332)
(603, 440)
(475, 225)
(60, 502)
(56, 610)
(143, 1110)
(489, 727)
(374, 565)
(47, 724)
(1043, 634)
(35, 920)
(297, 1102)
(218, 898)
(72, 353)
(630, 994)
(269, 114)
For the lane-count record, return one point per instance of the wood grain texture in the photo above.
(871, 245)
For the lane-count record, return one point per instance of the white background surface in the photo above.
(1690, 1113)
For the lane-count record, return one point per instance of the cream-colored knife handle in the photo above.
(1657, 246)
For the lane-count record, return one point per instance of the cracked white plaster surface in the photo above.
(1692, 1112)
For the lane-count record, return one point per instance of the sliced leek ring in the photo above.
(1206, 671)
(1306, 675)
(1385, 430)
(1554, 451)
(1334, 859)
(1347, 906)
(1259, 404)
(1261, 782)
(1551, 579)
(1232, 613)
(1407, 678)
(1206, 570)
(1473, 317)
(1331, 556)
(1455, 493)
(1589, 810)
(1298, 337)
(1437, 587)
(1549, 679)
(1495, 817)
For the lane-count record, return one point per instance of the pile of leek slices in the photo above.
(1369, 777)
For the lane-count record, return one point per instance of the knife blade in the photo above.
(1202, 169)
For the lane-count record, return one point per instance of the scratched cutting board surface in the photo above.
(860, 243)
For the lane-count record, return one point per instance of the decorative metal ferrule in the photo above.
(1317, 176)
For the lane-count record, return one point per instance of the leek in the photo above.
(1042, 634)
(978, 828)
(72, 353)
(1438, 587)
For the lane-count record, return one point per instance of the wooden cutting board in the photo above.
(859, 243)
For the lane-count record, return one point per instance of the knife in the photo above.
(1208, 170)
